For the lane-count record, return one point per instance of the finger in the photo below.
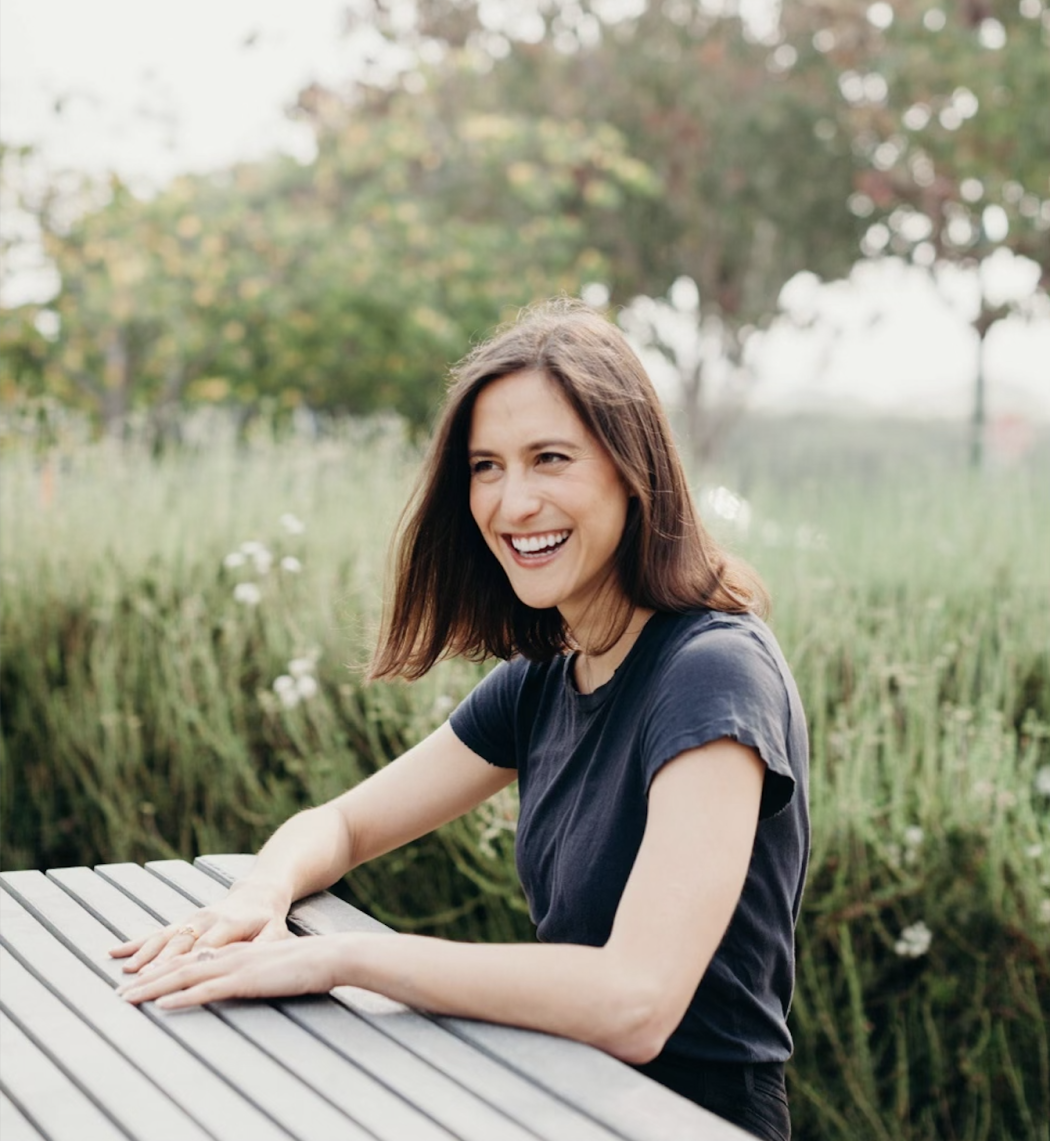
(209, 990)
(122, 950)
(147, 950)
(182, 940)
(166, 944)
(175, 975)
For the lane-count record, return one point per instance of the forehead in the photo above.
(525, 403)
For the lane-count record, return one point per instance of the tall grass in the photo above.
(140, 719)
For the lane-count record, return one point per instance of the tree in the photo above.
(946, 108)
(348, 283)
(753, 177)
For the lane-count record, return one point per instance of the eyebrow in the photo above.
(536, 446)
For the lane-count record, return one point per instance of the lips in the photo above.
(539, 545)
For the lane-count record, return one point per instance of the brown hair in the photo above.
(450, 595)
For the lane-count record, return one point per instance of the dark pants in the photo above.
(751, 1096)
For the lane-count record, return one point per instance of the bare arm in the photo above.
(434, 782)
(626, 997)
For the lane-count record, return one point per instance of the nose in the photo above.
(519, 500)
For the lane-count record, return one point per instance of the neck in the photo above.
(595, 669)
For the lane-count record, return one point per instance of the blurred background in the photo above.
(243, 242)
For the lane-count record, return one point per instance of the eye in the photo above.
(548, 459)
(482, 468)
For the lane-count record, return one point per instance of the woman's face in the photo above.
(546, 496)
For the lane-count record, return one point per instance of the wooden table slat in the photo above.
(279, 1094)
(524, 1102)
(327, 1025)
(607, 1090)
(46, 1095)
(142, 1039)
(14, 1125)
(126, 1095)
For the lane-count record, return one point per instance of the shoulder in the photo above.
(717, 675)
(712, 645)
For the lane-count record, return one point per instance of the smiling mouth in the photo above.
(537, 546)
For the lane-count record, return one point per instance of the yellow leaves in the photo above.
(127, 270)
(602, 194)
(522, 174)
(233, 331)
(189, 226)
(209, 389)
(488, 129)
(204, 295)
(251, 288)
(433, 322)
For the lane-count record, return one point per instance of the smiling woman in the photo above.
(644, 709)
(546, 497)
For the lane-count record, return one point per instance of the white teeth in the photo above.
(530, 544)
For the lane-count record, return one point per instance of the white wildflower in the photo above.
(307, 686)
(287, 690)
(263, 560)
(1042, 781)
(443, 705)
(251, 546)
(292, 524)
(247, 593)
(914, 941)
(1034, 851)
(726, 505)
(298, 684)
(291, 564)
(234, 560)
(984, 789)
(913, 838)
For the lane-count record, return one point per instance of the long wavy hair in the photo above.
(451, 598)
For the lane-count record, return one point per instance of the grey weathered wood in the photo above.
(517, 1098)
(45, 1094)
(222, 1111)
(250, 1070)
(125, 1094)
(327, 1026)
(607, 1090)
(14, 1125)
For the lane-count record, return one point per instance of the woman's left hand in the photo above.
(301, 965)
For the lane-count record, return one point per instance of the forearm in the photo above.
(307, 853)
(580, 992)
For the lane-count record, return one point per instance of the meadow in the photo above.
(182, 643)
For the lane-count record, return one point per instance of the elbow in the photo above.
(640, 1025)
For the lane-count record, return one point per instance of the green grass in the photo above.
(911, 597)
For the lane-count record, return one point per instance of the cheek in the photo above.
(480, 504)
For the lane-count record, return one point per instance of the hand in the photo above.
(293, 966)
(250, 913)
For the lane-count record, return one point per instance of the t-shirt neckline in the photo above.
(598, 697)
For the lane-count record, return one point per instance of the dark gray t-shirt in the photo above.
(585, 763)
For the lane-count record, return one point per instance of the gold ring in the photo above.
(205, 955)
(193, 933)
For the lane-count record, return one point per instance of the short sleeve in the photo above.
(724, 682)
(486, 720)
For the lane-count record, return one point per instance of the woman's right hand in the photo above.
(252, 912)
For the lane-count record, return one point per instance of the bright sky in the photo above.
(150, 89)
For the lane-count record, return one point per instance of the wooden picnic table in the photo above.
(79, 1063)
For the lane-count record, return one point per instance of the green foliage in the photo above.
(140, 720)
(347, 284)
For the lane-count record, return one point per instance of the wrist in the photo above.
(272, 895)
